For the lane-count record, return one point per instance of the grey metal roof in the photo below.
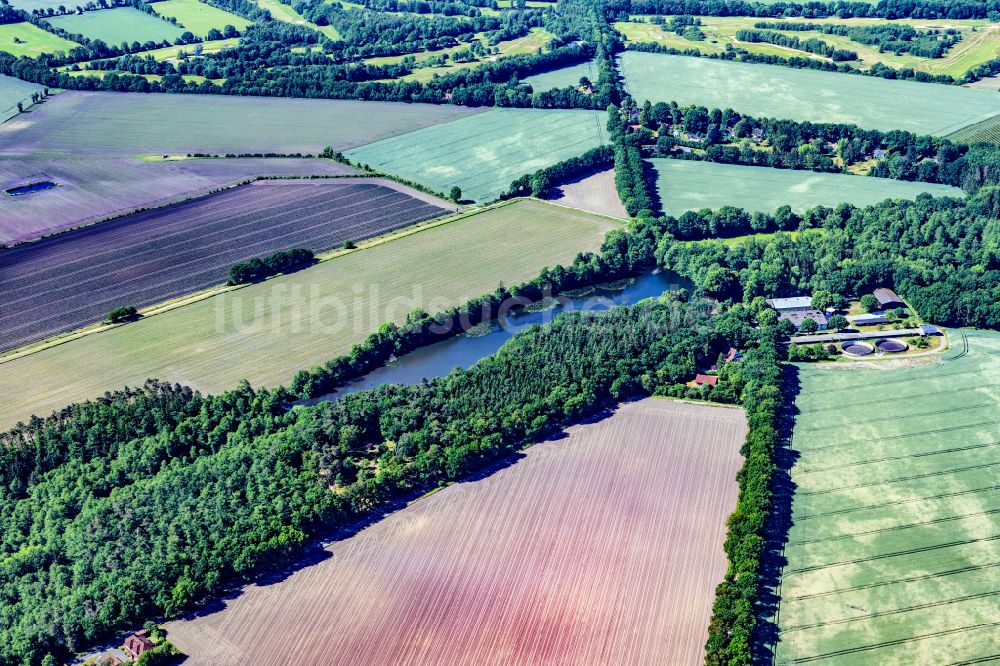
(792, 303)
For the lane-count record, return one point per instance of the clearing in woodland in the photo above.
(266, 332)
(895, 541)
(484, 153)
(805, 94)
(685, 185)
(117, 25)
(198, 17)
(603, 547)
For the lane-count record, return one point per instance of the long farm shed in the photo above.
(76, 278)
(267, 332)
(603, 547)
(894, 547)
(805, 94)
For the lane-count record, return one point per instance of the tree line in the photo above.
(888, 37)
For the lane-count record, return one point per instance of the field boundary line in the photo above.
(195, 297)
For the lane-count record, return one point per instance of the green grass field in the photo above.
(560, 78)
(803, 94)
(114, 26)
(483, 154)
(979, 42)
(214, 343)
(198, 17)
(26, 39)
(690, 185)
(893, 553)
(13, 91)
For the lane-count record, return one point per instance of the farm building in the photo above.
(702, 380)
(887, 298)
(136, 644)
(793, 304)
(868, 320)
(799, 316)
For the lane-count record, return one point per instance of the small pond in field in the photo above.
(461, 351)
(40, 186)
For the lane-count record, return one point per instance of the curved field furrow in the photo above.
(74, 279)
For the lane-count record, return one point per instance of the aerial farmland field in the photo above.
(199, 17)
(599, 548)
(13, 91)
(91, 189)
(27, 39)
(483, 154)
(117, 25)
(685, 185)
(268, 331)
(560, 78)
(157, 123)
(979, 41)
(803, 94)
(893, 549)
(76, 278)
(595, 193)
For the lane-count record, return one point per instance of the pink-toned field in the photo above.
(595, 193)
(603, 547)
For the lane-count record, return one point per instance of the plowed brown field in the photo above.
(603, 547)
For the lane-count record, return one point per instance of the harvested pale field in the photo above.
(117, 25)
(895, 541)
(13, 91)
(806, 95)
(483, 154)
(268, 331)
(685, 185)
(94, 188)
(74, 279)
(132, 123)
(596, 193)
(603, 547)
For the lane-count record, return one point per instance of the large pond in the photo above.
(461, 351)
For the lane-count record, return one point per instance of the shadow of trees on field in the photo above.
(780, 522)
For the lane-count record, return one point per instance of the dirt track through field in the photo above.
(75, 279)
(603, 547)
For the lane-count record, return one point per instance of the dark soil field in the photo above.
(74, 279)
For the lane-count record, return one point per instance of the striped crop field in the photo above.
(986, 131)
(894, 549)
(805, 94)
(685, 185)
(603, 547)
(267, 332)
(483, 154)
(74, 279)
